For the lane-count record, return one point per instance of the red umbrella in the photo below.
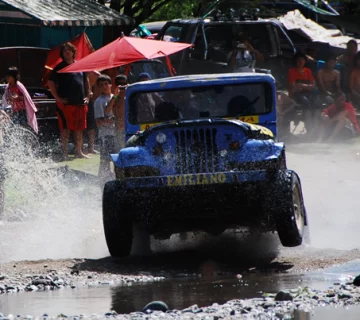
(123, 51)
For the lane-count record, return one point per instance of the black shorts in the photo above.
(90, 117)
(107, 147)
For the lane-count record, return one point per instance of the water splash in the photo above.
(49, 212)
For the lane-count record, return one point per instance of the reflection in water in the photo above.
(182, 293)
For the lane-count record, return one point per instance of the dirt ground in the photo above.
(289, 261)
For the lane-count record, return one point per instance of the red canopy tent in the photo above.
(125, 50)
(83, 48)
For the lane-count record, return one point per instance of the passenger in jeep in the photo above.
(147, 102)
(184, 101)
(22, 107)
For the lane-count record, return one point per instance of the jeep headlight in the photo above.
(161, 137)
(223, 153)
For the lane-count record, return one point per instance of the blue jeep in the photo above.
(202, 155)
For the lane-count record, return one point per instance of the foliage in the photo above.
(155, 10)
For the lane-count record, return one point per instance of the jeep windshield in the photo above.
(215, 101)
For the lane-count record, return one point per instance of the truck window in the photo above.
(216, 101)
(218, 39)
(259, 37)
(172, 33)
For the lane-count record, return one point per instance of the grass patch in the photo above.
(90, 166)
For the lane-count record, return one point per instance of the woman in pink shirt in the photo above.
(22, 107)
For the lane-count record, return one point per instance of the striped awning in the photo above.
(61, 13)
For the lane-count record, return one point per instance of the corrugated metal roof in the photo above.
(68, 12)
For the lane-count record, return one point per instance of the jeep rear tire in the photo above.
(289, 209)
(118, 225)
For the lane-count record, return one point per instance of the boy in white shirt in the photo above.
(106, 125)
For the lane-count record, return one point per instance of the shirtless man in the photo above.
(347, 59)
(116, 105)
(355, 82)
(329, 79)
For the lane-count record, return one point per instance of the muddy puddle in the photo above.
(181, 292)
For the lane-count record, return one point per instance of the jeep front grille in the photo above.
(196, 151)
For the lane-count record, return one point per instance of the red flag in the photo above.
(83, 48)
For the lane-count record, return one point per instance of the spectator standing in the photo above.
(22, 107)
(90, 117)
(72, 93)
(243, 56)
(117, 106)
(106, 124)
(347, 60)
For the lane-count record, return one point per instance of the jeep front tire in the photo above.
(289, 209)
(118, 225)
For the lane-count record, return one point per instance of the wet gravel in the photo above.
(49, 275)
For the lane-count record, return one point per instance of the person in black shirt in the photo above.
(72, 93)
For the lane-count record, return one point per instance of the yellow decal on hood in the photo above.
(192, 179)
(263, 130)
(249, 119)
(145, 126)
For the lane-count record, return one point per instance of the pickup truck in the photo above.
(212, 42)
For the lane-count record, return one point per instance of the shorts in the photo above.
(71, 117)
(90, 116)
(107, 147)
(19, 117)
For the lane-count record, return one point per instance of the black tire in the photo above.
(289, 209)
(118, 225)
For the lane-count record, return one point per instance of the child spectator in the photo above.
(22, 107)
(335, 118)
(106, 125)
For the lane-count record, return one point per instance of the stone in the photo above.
(356, 281)
(283, 296)
(155, 306)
